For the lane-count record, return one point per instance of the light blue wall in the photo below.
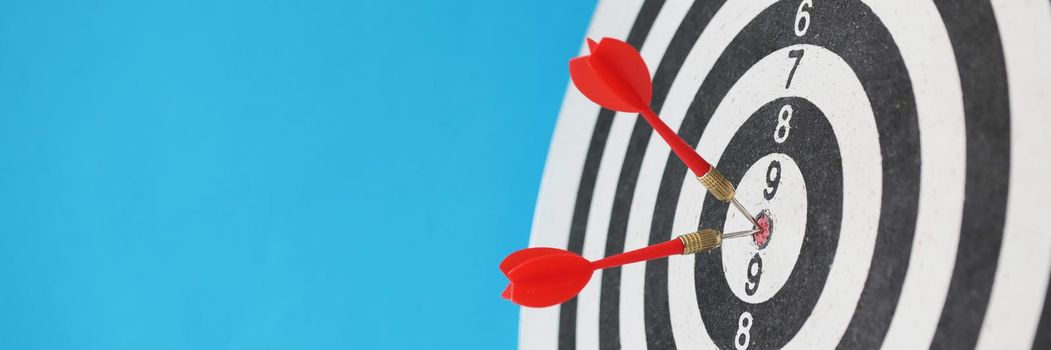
(271, 174)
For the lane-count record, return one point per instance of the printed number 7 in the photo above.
(798, 55)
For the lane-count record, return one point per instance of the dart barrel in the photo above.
(717, 185)
(703, 240)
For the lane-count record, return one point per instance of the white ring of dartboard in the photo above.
(897, 144)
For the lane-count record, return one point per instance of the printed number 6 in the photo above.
(803, 17)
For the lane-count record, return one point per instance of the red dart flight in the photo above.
(615, 77)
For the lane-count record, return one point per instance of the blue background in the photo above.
(271, 174)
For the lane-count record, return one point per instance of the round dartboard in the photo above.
(901, 146)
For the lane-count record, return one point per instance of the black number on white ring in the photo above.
(755, 271)
(798, 55)
(773, 179)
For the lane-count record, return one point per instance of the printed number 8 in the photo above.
(744, 327)
(783, 128)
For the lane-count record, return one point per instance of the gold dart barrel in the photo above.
(723, 190)
(717, 184)
(700, 241)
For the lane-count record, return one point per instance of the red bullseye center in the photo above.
(766, 229)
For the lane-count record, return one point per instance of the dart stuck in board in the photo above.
(615, 76)
(541, 277)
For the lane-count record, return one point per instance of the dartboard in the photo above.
(901, 145)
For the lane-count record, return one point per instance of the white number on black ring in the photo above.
(744, 325)
(803, 17)
(783, 117)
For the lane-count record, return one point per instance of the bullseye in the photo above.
(766, 229)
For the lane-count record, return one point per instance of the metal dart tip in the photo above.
(744, 212)
(739, 234)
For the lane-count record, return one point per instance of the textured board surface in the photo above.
(899, 144)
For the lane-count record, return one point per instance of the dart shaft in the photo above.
(698, 165)
(655, 251)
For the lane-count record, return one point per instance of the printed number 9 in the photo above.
(773, 179)
(755, 264)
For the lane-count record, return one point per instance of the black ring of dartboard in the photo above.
(852, 31)
(815, 149)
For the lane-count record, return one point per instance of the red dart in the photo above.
(548, 276)
(615, 76)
